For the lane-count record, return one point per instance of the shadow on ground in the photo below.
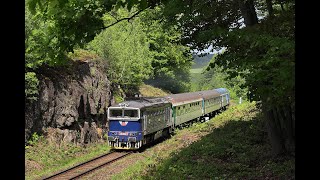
(237, 150)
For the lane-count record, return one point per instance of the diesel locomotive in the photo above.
(139, 121)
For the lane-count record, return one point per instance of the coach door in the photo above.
(145, 122)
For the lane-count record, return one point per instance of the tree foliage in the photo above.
(141, 49)
(126, 50)
(31, 86)
(261, 51)
(171, 60)
(70, 24)
(217, 77)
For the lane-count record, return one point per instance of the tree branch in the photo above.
(127, 18)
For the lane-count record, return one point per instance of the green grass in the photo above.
(150, 91)
(196, 71)
(233, 146)
(50, 158)
(195, 78)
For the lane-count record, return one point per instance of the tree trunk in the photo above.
(281, 4)
(290, 146)
(248, 12)
(284, 114)
(269, 7)
(274, 132)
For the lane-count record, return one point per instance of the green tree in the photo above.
(217, 77)
(126, 50)
(171, 61)
(71, 24)
(262, 52)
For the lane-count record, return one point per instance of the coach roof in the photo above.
(177, 99)
(209, 94)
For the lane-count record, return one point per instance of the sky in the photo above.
(208, 51)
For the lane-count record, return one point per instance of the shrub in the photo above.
(31, 86)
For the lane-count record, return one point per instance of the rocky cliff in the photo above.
(72, 102)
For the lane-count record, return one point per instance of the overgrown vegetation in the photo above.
(31, 86)
(125, 48)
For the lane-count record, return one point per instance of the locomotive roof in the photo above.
(141, 102)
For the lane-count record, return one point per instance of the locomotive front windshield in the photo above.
(123, 113)
(131, 113)
(116, 113)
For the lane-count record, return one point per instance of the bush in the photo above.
(31, 86)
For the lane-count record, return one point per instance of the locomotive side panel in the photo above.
(156, 119)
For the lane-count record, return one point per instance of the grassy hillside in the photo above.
(195, 79)
(200, 62)
(150, 91)
(196, 70)
(42, 158)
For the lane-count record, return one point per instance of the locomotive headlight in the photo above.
(132, 134)
(113, 133)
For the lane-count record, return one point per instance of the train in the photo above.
(139, 121)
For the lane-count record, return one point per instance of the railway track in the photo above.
(89, 166)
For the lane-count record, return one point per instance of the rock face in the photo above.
(69, 97)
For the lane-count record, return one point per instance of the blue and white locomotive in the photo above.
(136, 122)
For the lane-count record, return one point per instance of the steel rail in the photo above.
(95, 168)
(85, 163)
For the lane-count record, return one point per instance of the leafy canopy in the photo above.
(126, 50)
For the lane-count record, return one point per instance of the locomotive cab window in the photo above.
(131, 113)
(115, 112)
(123, 113)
